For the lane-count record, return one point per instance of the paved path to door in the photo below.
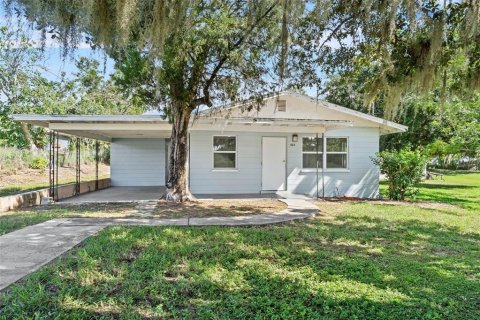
(26, 250)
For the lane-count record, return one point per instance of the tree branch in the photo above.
(334, 31)
(206, 94)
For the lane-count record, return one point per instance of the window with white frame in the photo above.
(337, 153)
(224, 152)
(312, 151)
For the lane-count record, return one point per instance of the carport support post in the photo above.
(316, 149)
(324, 162)
(57, 146)
(77, 167)
(97, 146)
(51, 164)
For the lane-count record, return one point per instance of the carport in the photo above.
(103, 128)
(118, 194)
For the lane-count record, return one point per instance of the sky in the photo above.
(55, 63)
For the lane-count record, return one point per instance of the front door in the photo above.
(274, 161)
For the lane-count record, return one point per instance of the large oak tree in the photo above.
(210, 52)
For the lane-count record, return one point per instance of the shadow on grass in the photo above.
(341, 268)
(454, 172)
(442, 197)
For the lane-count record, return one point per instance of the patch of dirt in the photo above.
(132, 255)
(28, 177)
(420, 204)
(217, 208)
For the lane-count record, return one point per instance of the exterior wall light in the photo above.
(294, 137)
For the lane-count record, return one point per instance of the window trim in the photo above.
(236, 153)
(311, 152)
(324, 154)
(347, 167)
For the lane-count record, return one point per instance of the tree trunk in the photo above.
(177, 185)
(27, 136)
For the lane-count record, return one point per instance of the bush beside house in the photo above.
(404, 170)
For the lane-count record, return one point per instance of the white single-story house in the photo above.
(293, 143)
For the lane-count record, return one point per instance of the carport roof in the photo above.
(108, 127)
(45, 120)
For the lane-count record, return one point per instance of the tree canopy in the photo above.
(402, 45)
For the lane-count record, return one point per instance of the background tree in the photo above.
(210, 52)
(135, 77)
(444, 120)
(19, 73)
(87, 91)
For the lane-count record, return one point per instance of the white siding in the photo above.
(137, 162)
(245, 179)
(360, 181)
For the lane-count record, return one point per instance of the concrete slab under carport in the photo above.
(133, 194)
(119, 194)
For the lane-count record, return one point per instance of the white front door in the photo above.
(274, 161)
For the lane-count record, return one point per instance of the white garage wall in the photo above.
(361, 179)
(137, 162)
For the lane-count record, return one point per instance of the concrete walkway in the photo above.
(26, 250)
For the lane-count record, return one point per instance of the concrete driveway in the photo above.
(132, 194)
(118, 194)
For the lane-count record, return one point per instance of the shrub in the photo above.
(38, 162)
(403, 169)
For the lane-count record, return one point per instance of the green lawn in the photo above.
(457, 189)
(25, 187)
(354, 261)
(461, 189)
(13, 220)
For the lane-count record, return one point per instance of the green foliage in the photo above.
(38, 163)
(446, 121)
(26, 90)
(402, 45)
(403, 168)
(19, 76)
(13, 159)
(455, 123)
(135, 77)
